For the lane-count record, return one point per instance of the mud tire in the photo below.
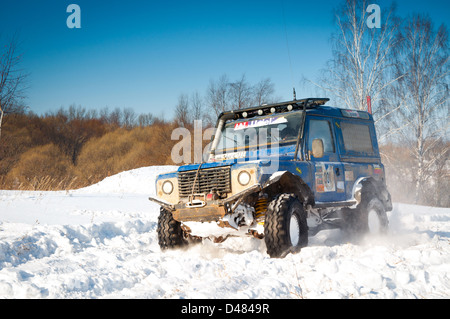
(372, 209)
(170, 233)
(284, 211)
(359, 221)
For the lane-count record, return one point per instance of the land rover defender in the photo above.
(279, 172)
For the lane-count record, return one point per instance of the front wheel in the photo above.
(285, 226)
(170, 233)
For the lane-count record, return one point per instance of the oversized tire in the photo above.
(285, 226)
(373, 218)
(369, 217)
(170, 233)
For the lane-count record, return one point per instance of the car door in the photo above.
(328, 180)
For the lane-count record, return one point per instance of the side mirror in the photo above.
(317, 148)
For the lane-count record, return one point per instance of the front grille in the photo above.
(218, 179)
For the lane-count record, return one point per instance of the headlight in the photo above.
(167, 187)
(244, 178)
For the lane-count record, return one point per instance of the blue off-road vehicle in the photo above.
(278, 172)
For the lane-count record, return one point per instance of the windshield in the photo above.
(275, 129)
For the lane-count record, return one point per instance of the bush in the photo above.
(42, 168)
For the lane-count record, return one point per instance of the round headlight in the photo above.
(244, 178)
(167, 187)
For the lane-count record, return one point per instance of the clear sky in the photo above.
(143, 54)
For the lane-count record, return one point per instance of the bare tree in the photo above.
(129, 118)
(12, 78)
(240, 93)
(217, 95)
(423, 92)
(263, 91)
(115, 117)
(361, 56)
(145, 119)
(196, 107)
(223, 95)
(182, 116)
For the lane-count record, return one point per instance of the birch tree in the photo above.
(361, 56)
(423, 94)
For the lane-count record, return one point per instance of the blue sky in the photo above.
(143, 54)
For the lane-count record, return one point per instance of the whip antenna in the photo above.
(288, 49)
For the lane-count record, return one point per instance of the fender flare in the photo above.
(378, 188)
(286, 182)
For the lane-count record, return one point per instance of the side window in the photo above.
(321, 129)
(356, 137)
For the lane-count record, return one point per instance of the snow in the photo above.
(101, 242)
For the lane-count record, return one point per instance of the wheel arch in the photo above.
(286, 182)
(368, 186)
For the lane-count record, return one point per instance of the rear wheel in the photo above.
(285, 226)
(368, 218)
(373, 217)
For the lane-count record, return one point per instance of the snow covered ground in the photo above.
(101, 242)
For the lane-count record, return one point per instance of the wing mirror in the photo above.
(317, 148)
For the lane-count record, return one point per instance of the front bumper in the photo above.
(213, 210)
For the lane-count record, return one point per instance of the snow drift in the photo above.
(100, 242)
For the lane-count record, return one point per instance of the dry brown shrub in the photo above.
(42, 168)
(12, 145)
(124, 149)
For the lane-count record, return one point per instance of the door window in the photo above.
(356, 137)
(321, 129)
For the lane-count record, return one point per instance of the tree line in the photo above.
(72, 147)
(222, 95)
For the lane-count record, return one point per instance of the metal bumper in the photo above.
(212, 211)
(209, 213)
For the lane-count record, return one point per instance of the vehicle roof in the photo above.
(332, 111)
(312, 106)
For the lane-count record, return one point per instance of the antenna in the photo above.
(295, 95)
(287, 46)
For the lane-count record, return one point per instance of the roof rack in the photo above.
(264, 109)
